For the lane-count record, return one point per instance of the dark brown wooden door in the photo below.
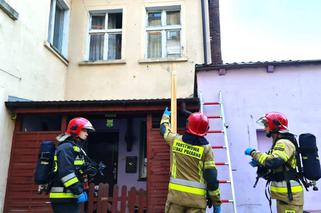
(21, 193)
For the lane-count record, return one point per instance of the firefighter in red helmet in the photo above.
(67, 190)
(193, 176)
(278, 166)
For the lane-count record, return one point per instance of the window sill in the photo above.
(56, 53)
(9, 10)
(161, 60)
(109, 62)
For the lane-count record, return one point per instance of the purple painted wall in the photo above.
(128, 179)
(248, 94)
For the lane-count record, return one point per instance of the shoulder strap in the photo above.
(299, 171)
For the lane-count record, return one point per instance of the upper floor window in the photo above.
(105, 35)
(58, 26)
(163, 32)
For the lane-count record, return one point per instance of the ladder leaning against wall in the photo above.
(223, 131)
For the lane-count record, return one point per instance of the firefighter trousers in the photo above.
(284, 207)
(65, 207)
(174, 208)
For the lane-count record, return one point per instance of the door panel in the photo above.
(103, 146)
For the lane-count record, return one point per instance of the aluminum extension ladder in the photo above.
(226, 145)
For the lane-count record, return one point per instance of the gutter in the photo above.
(204, 32)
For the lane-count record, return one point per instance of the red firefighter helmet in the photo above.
(276, 121)
(197, 124)
(75, 126)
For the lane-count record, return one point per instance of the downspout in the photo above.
(204, 32)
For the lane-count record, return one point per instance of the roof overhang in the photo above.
(135, 105)
(258, 64)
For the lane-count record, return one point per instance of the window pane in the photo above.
(97, 22)
(173, 43)
(58, 28)
(154, 19)
(154, 45)
(115, 21)
(114, 46)
(173, 18)
(96, 50)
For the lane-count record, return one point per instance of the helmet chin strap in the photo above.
(269, 134)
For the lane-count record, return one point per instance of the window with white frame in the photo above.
(105, 35)
(163, 32)
(58, 26)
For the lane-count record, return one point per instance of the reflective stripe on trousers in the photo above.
(58, 192)
(281, 186)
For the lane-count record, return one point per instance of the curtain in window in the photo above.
(58, 28)
(97, 22)
(96, 50)
(154, 45)
(173, 18)
(154, 19)
(115, 21)
(173, 43)
(114, 46)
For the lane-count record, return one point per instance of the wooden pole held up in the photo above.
(173, 99)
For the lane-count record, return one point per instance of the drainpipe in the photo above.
(204, 32)
(215, 32)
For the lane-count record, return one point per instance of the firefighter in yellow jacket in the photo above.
(193, 177)
(278, 166)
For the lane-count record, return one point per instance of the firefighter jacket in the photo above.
(67, 178)
(281, 163)
(192, 169)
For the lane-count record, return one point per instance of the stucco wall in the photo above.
(132, 79)
(248, 94)
(27, 69)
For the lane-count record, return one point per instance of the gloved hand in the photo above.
(253, 163)
(167, 112)
(216, 209)
(249, 150)
(82, 198)
(209, 201)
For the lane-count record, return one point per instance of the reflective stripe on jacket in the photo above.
(67, 178)
(285, 150)
(187, 163)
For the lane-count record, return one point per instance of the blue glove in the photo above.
(82, 198)
(216, 209)
(253, 163)
(167, 112)
(248, 151)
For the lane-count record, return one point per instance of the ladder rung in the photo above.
(221, 163)
(224, 181)
(215, 131)
(218, 147)
(226, 201)
(211, 103)
(214, 116)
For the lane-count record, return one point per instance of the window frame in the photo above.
(163, 29)
(65, 28)
(106, 32)
(142, 155)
